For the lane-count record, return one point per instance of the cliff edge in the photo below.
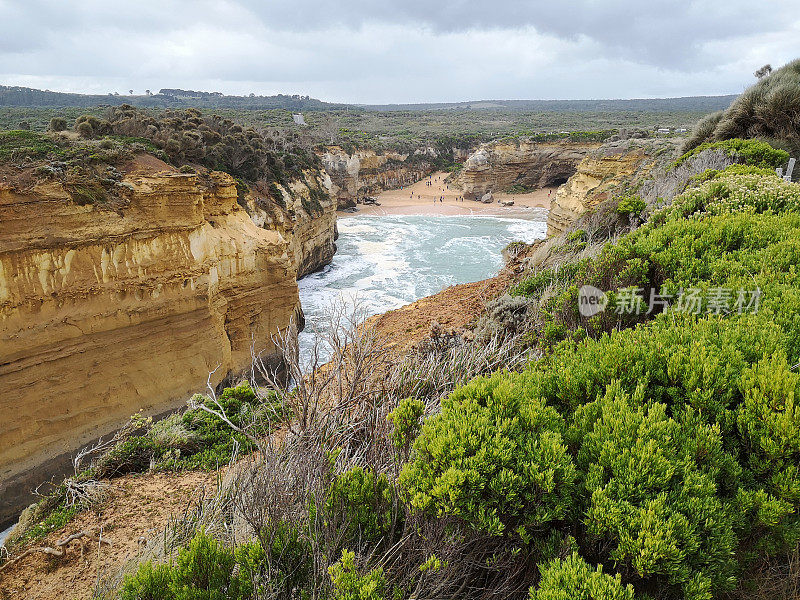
(111, 308)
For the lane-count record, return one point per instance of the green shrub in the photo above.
(150, 582)
(756, 153)
(132, 455)
(290, 556)
(494, 457)
(653, 485)
(359, 502)
(350, 584)
(573, 579)
(579, 235)
(736, 169)
(205, 570)
(769, 425)
(631, 205)
(407, 419)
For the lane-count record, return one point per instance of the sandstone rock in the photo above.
(487, 198)
(310, 235)
(499, 165)
(106, 313)
(364, 172)
(505, 202)
(598, 175)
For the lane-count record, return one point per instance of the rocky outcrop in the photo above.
(498, 166)
(604, 172)
(365, 172)
(107, 312)
(304, 215)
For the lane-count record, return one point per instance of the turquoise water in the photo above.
(385, 262)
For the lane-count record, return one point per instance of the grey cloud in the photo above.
(660, 32)
(376, 50)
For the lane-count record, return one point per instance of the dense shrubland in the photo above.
(88, 160)
(210, 140)
(400, 130)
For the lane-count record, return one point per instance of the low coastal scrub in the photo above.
(752, 152)
(87, 160)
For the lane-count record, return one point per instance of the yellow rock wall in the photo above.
(364, 172)
(597, 176)
(104, 313)
(496, 166)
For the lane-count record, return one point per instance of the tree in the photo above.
(763, 71)
(57, 124)
(84, 129)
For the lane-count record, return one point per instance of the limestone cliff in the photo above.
(601, 174)
(305, 216)
(365, 172)
(105, 312)
(497, 166)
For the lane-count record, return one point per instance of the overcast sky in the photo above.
(377, 51)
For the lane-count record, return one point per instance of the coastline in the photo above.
(418, 199)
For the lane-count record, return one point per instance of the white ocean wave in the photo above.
(390, 261)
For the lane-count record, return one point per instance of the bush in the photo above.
(573, 579)
(204, 570)
(768, 109)
(653, 486)
(359, 503)
(407, 419)
(133, 455)
(768, 420)
(350, 584)
(631, 205)
(57, 124)
(753, 152)
(494, 457)
(84, 129)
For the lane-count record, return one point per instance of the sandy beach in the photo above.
(423, 199)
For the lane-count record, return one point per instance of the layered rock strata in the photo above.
(604, 172)
(364, 172)
(107, 312)
(500, 166)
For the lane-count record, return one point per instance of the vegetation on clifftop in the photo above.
(768, 110)
(649, 450)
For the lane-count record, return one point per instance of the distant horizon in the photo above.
(157, 91)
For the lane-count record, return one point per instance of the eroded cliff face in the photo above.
(364, 172)
(497, 166)
(601, 174)
(107, 312)
(304, 215)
